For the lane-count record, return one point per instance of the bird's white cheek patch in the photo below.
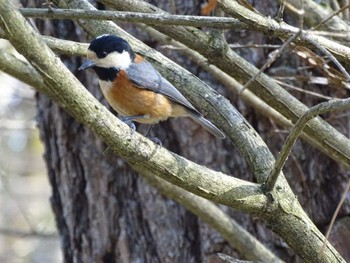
(116, 60)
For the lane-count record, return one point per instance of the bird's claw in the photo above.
(155, 140)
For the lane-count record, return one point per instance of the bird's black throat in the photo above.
(106, 74)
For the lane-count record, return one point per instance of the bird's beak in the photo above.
(87, 64)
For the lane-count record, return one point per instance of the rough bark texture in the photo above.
(105, 212)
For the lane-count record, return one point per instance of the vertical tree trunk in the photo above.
(105, 212)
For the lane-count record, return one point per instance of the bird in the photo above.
(134, 88)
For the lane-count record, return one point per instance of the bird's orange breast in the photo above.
(129, 100)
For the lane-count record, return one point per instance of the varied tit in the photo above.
(134, 88)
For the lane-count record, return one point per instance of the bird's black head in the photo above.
(106, 44)
(108, 52)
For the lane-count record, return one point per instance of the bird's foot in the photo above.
(155, 140)
(128, 121)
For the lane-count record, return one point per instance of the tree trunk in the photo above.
(105, 212)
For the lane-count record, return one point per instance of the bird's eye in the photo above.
(104, 54)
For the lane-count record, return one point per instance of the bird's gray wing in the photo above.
(144, 75)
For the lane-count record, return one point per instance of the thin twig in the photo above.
(329, 106)
(303, 90)
(279, 16)
(238, 46)
(330, 17)
(134, 17)
(278, 53)
(329, 55)
(271, 60)
(336, 212)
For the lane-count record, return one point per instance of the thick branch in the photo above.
(73, 48)
(20, 70)
(66, 47)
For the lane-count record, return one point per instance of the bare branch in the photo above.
(134, 17)
(304, 236)
(19, 69)
(66, 47)
(329, 106)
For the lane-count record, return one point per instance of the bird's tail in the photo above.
(206, 125)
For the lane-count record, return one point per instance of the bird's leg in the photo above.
(148, 130)
(152, 138)
(128, 120)
(155, 140)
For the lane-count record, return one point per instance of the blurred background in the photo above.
(27, 225)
